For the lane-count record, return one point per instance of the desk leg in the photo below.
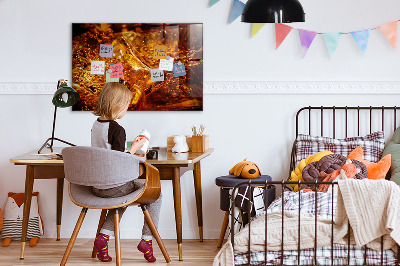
(199, 204)
(176, 182)
(27, 206)
(60, 190)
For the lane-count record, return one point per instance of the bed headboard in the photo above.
(344, 121)
(345, 118)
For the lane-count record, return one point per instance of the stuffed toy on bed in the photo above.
(13, 215)
(348, 170)
(317, 171)
(296, 174)
(245, 169)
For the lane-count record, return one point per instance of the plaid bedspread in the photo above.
(321, 205)
(307, 202)
(340, 254)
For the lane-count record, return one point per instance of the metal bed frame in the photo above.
(284, 184)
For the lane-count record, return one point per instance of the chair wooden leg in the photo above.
(73, 237)
(223, 229)
(101, 222)
(154, 230)
(117, 238)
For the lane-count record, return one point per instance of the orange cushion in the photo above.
(375, 170)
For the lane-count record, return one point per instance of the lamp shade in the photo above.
(65, 96)
(273, 11)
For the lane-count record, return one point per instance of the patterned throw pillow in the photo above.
(372, 145)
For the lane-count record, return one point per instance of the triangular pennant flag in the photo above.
(281, 31)
(332, 41)
(389, 30)
(306, 39)
(237, 9)
(256, 27)
(213, 2)
(361, 37)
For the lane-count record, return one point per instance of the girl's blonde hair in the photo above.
(112, 98)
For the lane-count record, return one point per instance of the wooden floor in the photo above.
(50, 252)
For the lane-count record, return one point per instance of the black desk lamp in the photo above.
(64, 97)
(273, 11)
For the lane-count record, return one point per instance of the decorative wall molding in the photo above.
(244, 87)
(302, 87)
(28, 88)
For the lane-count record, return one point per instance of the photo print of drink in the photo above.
(162, 64)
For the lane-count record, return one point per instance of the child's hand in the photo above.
(142, 155)
(137, 144)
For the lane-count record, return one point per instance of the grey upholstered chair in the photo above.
(85, 167)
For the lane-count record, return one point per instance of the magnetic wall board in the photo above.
(162, 64)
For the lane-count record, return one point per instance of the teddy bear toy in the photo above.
(13, 215)
(180, 144)
(245, 169)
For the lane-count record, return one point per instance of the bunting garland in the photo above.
(306, 39)
(237, 9)
(213, 2)
(389, 30)
(361, 37)
(332, 41)
(256, 27)
(281, 31)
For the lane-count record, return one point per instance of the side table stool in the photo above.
(228, 182)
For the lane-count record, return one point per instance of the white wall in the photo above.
(36, 47)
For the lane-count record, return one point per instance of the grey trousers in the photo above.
(153, 208)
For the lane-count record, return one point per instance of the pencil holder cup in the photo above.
(200, 143)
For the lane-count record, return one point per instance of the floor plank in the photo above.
(49, 252)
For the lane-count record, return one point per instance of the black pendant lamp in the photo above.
(273, 11)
